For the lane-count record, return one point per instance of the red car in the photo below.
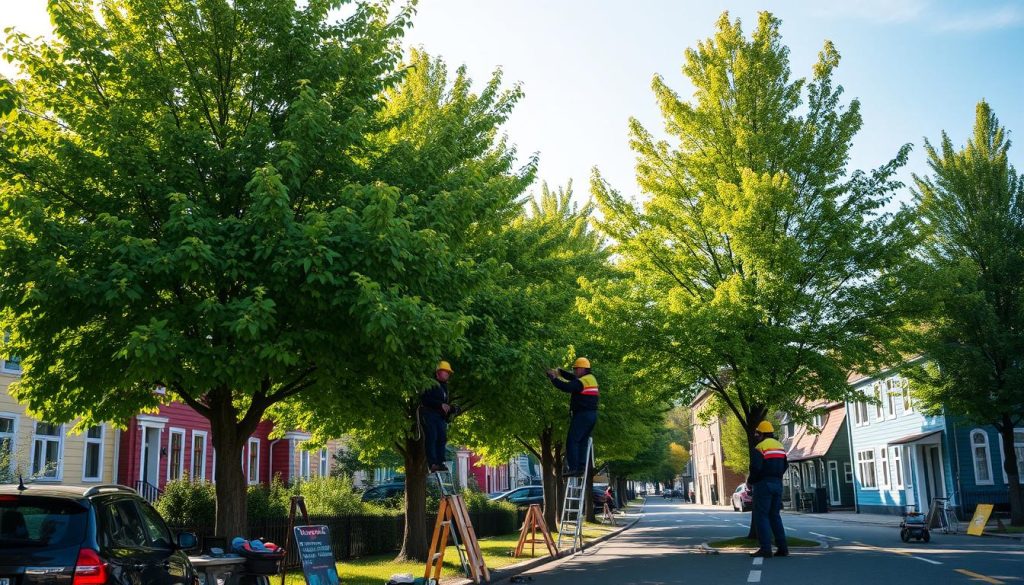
(742, 499)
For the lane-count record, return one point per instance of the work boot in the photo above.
(762, 553)
(782, 552)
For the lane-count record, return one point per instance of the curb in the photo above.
(506, 573)
(895, 524)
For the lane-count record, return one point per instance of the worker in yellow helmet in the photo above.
(768, 463)
(434, 413)
(582, 385)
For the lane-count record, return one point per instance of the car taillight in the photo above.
(90, 569)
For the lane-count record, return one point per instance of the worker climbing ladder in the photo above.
(453, 521)
(574, 507)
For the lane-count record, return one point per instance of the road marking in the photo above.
(979, 576)
(758, 561)
(898, 552)
(927, 560)
(755, 577)
(823, 535)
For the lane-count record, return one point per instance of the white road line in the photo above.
(823, 535)
(758, 561)
(754, 577)
(927, 560)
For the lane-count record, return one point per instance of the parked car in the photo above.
(384, 491)
(742, 499)
(104, 534)
(522, 496)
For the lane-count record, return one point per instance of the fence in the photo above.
(357, 536)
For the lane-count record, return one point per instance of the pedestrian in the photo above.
(768, 464)
(582, 385)
(434, 413)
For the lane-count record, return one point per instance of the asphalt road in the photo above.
(664, 548)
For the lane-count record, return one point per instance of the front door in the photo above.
(935, 471)
(151, 455)
(834, 495)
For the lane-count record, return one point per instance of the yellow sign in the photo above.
(981, 514)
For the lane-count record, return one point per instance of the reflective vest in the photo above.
(589, 385)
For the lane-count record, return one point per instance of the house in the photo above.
(176, 442)
(40, 451)
(714, 483)
(977, 461)
(819, 457)
(901, 457)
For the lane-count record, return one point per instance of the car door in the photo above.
(122, 540)
(166, 563)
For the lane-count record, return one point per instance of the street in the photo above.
(664, 547)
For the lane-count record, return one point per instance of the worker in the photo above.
(582, 385)
(768, 464)
(434, 413)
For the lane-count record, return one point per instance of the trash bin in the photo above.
(820, 500)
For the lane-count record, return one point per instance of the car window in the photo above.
(156, 530)
(122, 526)
(41, 522)
(535, 492)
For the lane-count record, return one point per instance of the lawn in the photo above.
(744, 542)
(497, 550)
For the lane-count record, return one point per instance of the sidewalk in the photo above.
(894, 521)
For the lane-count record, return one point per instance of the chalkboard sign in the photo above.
(314, 545)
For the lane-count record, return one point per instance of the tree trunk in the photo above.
(752, 423)
(1012, 467)
(229, 437)
(548, 477)
(414, 540)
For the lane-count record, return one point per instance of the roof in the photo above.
(808, 446)
(918, 438)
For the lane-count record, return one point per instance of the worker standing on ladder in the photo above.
(434, 413)
(582, 385)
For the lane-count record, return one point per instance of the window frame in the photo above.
(897, 464)
(101, 441)
(304, 471)
(171, 432)
(5, 360)
(248, 461)
(12, 438)
(1019, 447)
(891, 385)
(59, 438)
(974, 456)
(192, 456)
(325, 462)
(883, 468)
(863, 464)
(878, 390)
(848, 471)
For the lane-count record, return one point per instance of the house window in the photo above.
(883, 467)
(982, 458)
(860, 413)
(254, 461)
(1018, 446)
(877, 389)
(46, 451)
(304, 464)
(908, 400)
(891, 391)
(10, 364)
(818, 421)
(866, 467)
(897, 467)
(848, 471)
(325, 462)
(8, 426)
(92, 468)
(176, 454)
(198, 471)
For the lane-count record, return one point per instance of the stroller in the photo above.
(914, 525)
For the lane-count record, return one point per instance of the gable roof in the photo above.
(808, 446)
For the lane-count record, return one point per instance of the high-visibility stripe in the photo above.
(590, 391)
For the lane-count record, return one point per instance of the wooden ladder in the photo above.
(528, 534)
(453, 519)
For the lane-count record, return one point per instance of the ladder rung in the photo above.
(435, 557)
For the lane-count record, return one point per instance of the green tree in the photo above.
(188, 203)
(971, 210)
(761, 264)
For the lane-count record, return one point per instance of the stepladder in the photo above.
(570, 529)
(528, 534)
(453, 523)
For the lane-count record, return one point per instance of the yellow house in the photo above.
(45, 452)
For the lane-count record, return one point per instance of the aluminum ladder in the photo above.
(574, 506)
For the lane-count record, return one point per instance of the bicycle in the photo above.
(945, 511)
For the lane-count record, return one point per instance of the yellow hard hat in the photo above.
(443, 365)
(765, 427)
(581, 362)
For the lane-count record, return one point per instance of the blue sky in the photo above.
(917, 66)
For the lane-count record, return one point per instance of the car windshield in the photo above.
(31, 522)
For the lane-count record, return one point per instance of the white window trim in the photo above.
(848, 471)
(988, 457)
(85, 453)
(882, 468)
(192, 454)
(325, 462)
(248, 461)
(878, 391)
(60, 453)
(891, 386)
(304, 470)
(1002, 457)
(14, 438)
(181, 464)
(7, 370)
(897, 465)
(862, 470)
(213, 464)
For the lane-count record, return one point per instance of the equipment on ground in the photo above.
(453, 520)
(914, 525)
